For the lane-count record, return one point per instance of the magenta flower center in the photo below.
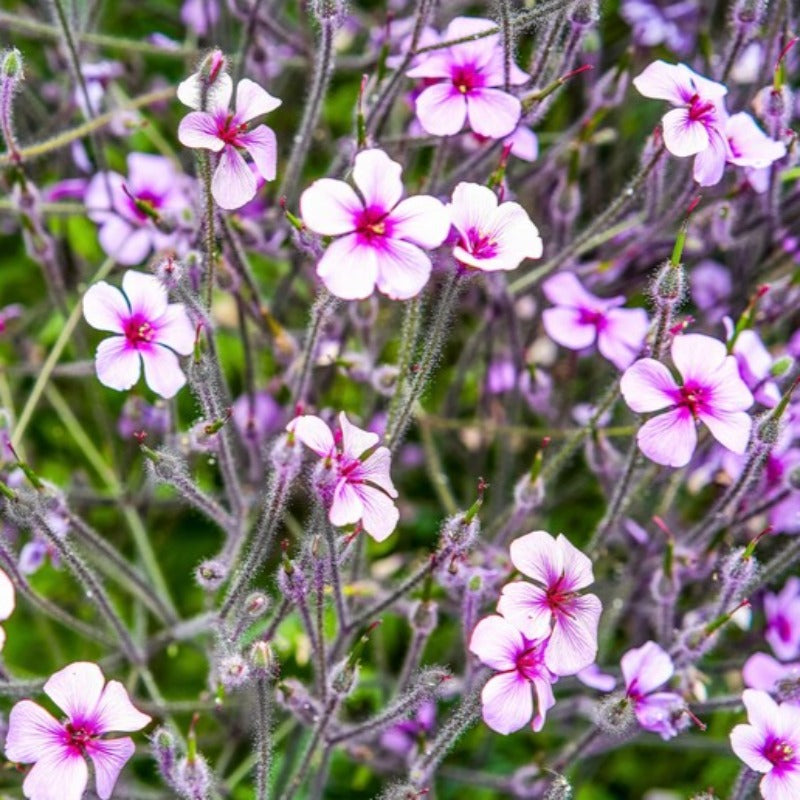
(480, 244)
(588, 316)
(693, 397)
(778, 752)
(78, 736)
(559, 598)
(783, 627)
(139, 331)
(466, 78)
(529, 663)
(229, 130)
(372, 224)
(147, 198)
(700, 111)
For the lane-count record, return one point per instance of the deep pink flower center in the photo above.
(466, 78)
(559, 598)
(529, 663)
(693, 397)
(783, 627)
(138, 330)
(145, 197)
(229, 129)
(774, 470)
(78, 736)
(588, 316)
(373, 224)
(778, 752)
(700, 111)
(481, 245)
(349, 468)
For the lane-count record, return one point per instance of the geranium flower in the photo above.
(149, 330)
(379, 235)
(580, 318)
(711, 392)
(144, 210)
(353, 478)
(697, 126)
(552, 607)
(7, 603)
(223, 131)
(58, 750)
(646, 669)
(507, 698)
(751, 148)
(770, 744)
(492, 236)
(782, 612)
(467, 76)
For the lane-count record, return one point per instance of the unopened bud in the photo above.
(193, 778)
(210, 575)
(747, 14)
(585, 14)
(11, 65)
(212, 66)
(424, 616)
(162, 745)
(669, 286)
(262, 659)
(615, 714)
(256, 604)
(328, 10)
(234, 672)
(781, 366)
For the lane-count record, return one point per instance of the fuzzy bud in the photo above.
(424, 617)
(559, 789)
(736, 573)
(384, 379)
(210, 575)
(256, 604)
(193, 778)
(459, 533)
(170, 272)
(747, 14)
(234, 672)
(584, 14)
(328, 11)
(11, 66)
(344, 678)
(614, 714)
(669, 286)
(528, 494)
(402, 791)
(262, 659)
(788, 690)
(162, 745)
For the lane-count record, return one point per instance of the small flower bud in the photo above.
(384, 379)
(584, 14)
(459, 533)
(256, 604)
(344, 678)
(781, 366)
(736, 572)
(669, 286)
(210, 575)
(212, 66)
(11, 65)
(402, 791)
(615, 714)
(193, 778)
(162, 745)
(170, 272)
(747, 14)
(424, 617)
(262, 659)
(234, 672)
(328, 10)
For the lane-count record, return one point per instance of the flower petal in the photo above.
(233, 183)
(441, 109)
(525, 606)
(330, 207)
(378, 179)
(380, 515)
(253, 101)
(507, 702)
(376, 470)
(175, 329)
(493, 112)
(748, 743)
(162, 371)
(573, 642)
(125, 243)
(730, 428)
(348, 268)
(59, 775)
(422, 220)
(576, 570)
(669, 438)
(219, 94)
(7, 598)
(663, 81)
(649, 666)
(497, 643)
(709, 164)
(198, 129)
(32, 732)
(313, 433)
(346, 507)
(263, 148)
(403, 269)
(684, 136)
(648, 385)
(538, 556)
(117, 364)
(104, 307)
(115, 712)
(566, 327)
(781, 785)
(355, 440)
(622, 337)
(109, 756)
(145, 293)
(76, 690)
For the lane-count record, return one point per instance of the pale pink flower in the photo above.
(770, 744)
(508, 697)
(755, 364)
(467, 76)
(782, 612)
(580, 318)
(711, 392)
(697, 126)
(380, 235)
(223, 131)
(149, 330)
(553, 606)
(7, 603)
(353, 477)
(751, 148)
(58, 750)
(492, 236)
(646, 669)
(763, 671)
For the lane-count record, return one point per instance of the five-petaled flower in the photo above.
(697, 126)
(646, 669)
(770, 744)
(353, 476)
(58, 750)
(379, 235)
(223, 131)
(491, 237)
(150, 330)
(507, 698)
(467, 76)
(553, 606)
(712, 392)
(579, 318)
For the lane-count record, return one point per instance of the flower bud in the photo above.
(210, 575)
(11, 65)
(584, 14)
(193, 778)
(256, 604)
(328, 10)
(747, 14)
(424, 617)
(162, 745)
(614, 714)
(234, 672)
(736, 572)
(559, 789)
(669, 286)
(262, 659)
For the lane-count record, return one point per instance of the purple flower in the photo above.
(645, 669)
(143, 211)
(256, 417)
(467, 75)
(669, 22)
(7, 603)
(58, 750)
(770, 744)
(782, 611)
(148, 329)
(405, 737)
(507, 698)
(223, 131)
(755, 364)
(696, 126)
(353, 477)
(751, 148)
(711, 392)
(552, 607)
(762, 671)
(711, 288)
(580, 319)
(379, 235)
(492, 236)
(200, 15)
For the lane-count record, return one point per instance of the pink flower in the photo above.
(148, 329)
(467, 75)
(552, 606)
(755, 364)
(58, 750)
(353, 477)
(380, 235)
(223, 131)
(770, 744)
(7, 603)
(762, 671)
(580, 319)
(144, 210)
(507, 698)
(711, 392)
(645, 669)
(782, 611)
(751, 148)
(697, 126)
(491, 237)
